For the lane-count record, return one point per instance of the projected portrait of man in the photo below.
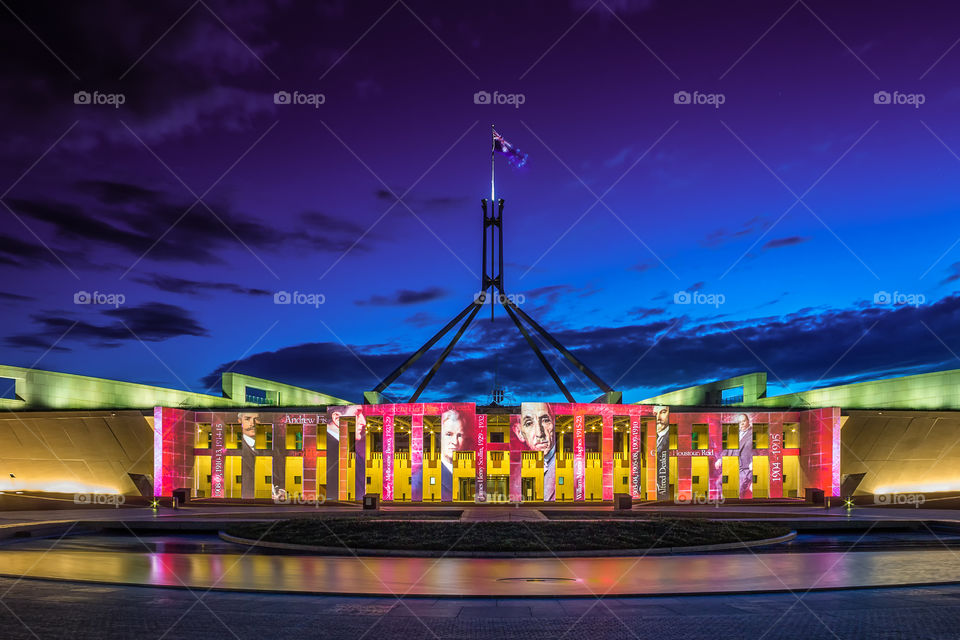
(536, 429)
(745, 455)
(452, 439)
(248, 454)
(662, 414)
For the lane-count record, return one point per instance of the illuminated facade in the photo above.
(66, 433)
(429, 452)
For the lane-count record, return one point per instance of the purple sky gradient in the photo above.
(787, 208)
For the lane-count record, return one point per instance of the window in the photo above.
(696, 479)
(209, 478)
(496, 437)
(624, 480)
(8, 388)
(369, 480)
(560, 480)
(731, 396)
(256, 396)
(297, 480)
(726, 479)
(268, 479)
(591, 441)
(755, 479)
(238, 479)
(433, 480)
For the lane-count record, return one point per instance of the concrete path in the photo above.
(33, 609)
(517, 577)
(501, 514)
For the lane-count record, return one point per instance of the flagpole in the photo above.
(493, 156)
(493, 152)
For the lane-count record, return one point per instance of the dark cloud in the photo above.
(954, 274)
(423, 319)
(720, 237)
(20, 253)
(403, 297)
(799, 349)
(16, 297)
(642, 313)
(428, 204)
(151, 322)
(789, 241)
(196, 287)
(642, 267)
(141, 221)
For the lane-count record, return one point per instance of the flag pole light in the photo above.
(492, 290)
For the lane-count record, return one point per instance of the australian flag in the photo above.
(514, 156)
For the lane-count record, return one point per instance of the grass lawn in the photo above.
(506, 536)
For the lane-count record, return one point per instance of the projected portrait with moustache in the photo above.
(537, 431)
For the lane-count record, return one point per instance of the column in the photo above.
(636, 455)
(416, 457)
(332, 455)
(219, 454)
(516, 461)
(579, 458)
(684, 459)
(775, 454)
(480, 459)
(388, 444)
(360, 458)
(715, 444)
(606, 447)
(310, 457)
(651, 462)
(278, 454)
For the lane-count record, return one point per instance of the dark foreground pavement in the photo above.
(42, 609)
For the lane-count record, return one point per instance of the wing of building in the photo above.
(257, 439)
